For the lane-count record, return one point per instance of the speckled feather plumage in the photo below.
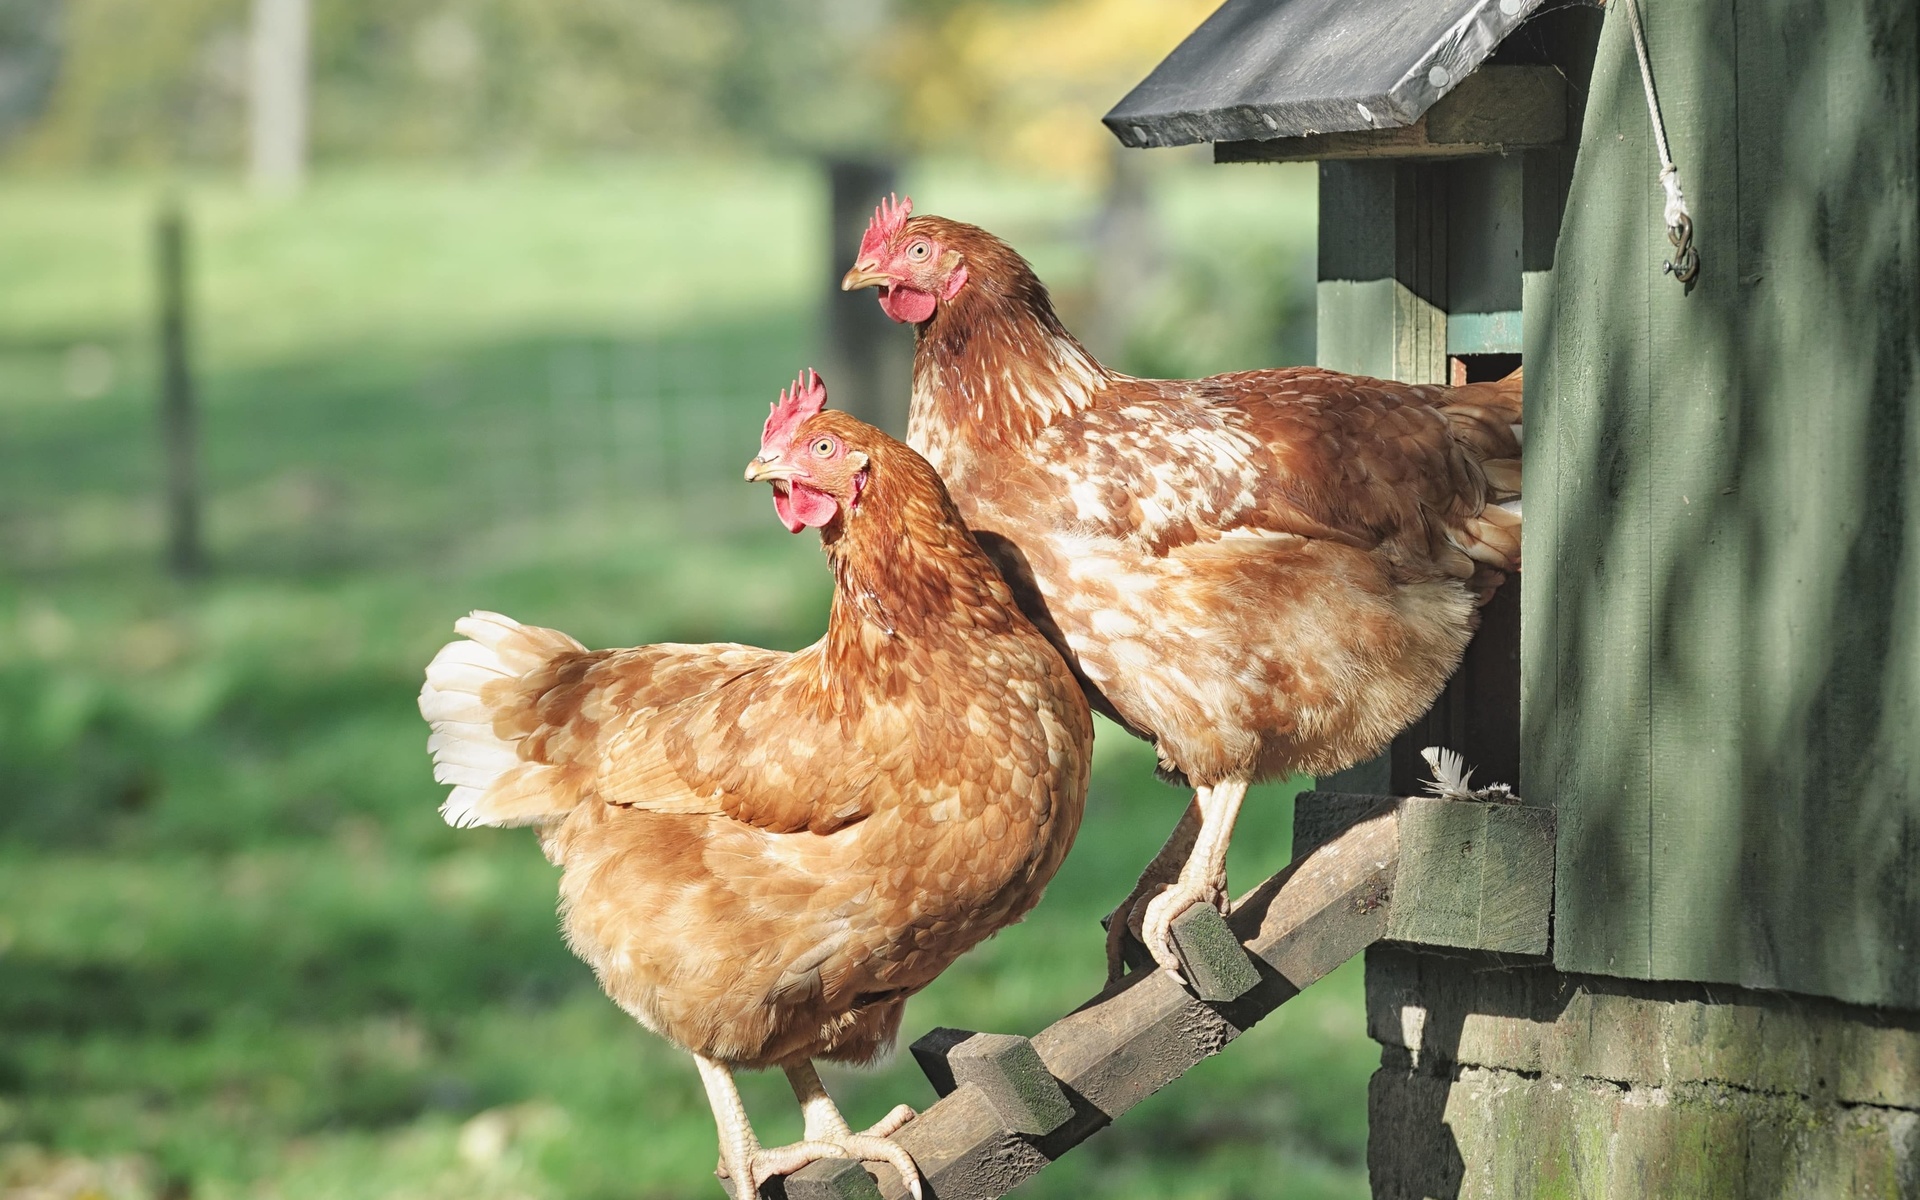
(765, 853)
(1263, 573)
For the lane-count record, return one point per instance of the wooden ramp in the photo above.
(1366, 869)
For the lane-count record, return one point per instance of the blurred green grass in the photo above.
(236, 943)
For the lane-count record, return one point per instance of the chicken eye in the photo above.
(823, 448)
(918, 252)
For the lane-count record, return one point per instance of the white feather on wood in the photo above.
(1453, 779)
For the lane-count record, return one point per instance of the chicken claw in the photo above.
(827, 1135)
(1120, 924)
(890, 1124)
(1176, 898)
(775, 1161)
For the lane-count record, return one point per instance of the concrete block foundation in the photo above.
(1502, 1079)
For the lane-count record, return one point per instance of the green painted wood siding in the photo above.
(1721, 649)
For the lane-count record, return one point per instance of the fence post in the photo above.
(869, 363)
(178, 421)
(278, 94)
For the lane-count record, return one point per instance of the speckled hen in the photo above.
(1263, 573)
(765, 854)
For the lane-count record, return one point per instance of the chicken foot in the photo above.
(826, 1133)
(1203, 878)
(1125, 920)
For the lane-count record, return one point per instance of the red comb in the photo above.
(806, 397)
(888, 219)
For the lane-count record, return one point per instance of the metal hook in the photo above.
(1685, 264)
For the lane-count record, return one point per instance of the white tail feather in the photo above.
(446, 772)
(460, 808)
(492, 784)
(454, 708)
(474, 656)
(453, 675)
(519, 648)
(470, 748)
(490, 629)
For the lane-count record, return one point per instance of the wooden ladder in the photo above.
(1365, 869)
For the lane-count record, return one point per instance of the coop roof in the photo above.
(1260, 69)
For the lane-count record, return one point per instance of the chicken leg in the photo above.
(826, 1133)
(1202, 878)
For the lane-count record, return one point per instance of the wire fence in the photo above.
(557, 437)
(625, 425)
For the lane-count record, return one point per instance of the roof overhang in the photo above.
(1258, 70)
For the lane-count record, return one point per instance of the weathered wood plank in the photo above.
(1495, 110)
(1470, 875)
(1485, 333)
(1323, 815)
(836, 1179)
(1700, 553)
(1382, 268)
(1589, 389)
(930, 1051)
(1787, 780)
(1437, 889)
(1005, 1068)
(1486, 231)
(1511, 107)
(1516, 881)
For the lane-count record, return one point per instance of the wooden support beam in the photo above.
(1366, 869)
(832, 1179)
(1471, 876)
(1495, 110)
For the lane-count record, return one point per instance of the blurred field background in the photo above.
(508, 347)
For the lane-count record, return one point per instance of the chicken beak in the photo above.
(763, 469)
(863, 277)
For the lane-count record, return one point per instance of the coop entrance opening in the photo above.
(1478, 713)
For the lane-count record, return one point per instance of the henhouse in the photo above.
(1717, 651)
(1685, 963)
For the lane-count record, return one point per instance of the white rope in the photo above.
(1679, 219)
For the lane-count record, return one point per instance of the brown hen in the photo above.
(765, 854)
(1262, 573)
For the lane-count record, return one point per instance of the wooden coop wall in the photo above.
(1721, 645)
